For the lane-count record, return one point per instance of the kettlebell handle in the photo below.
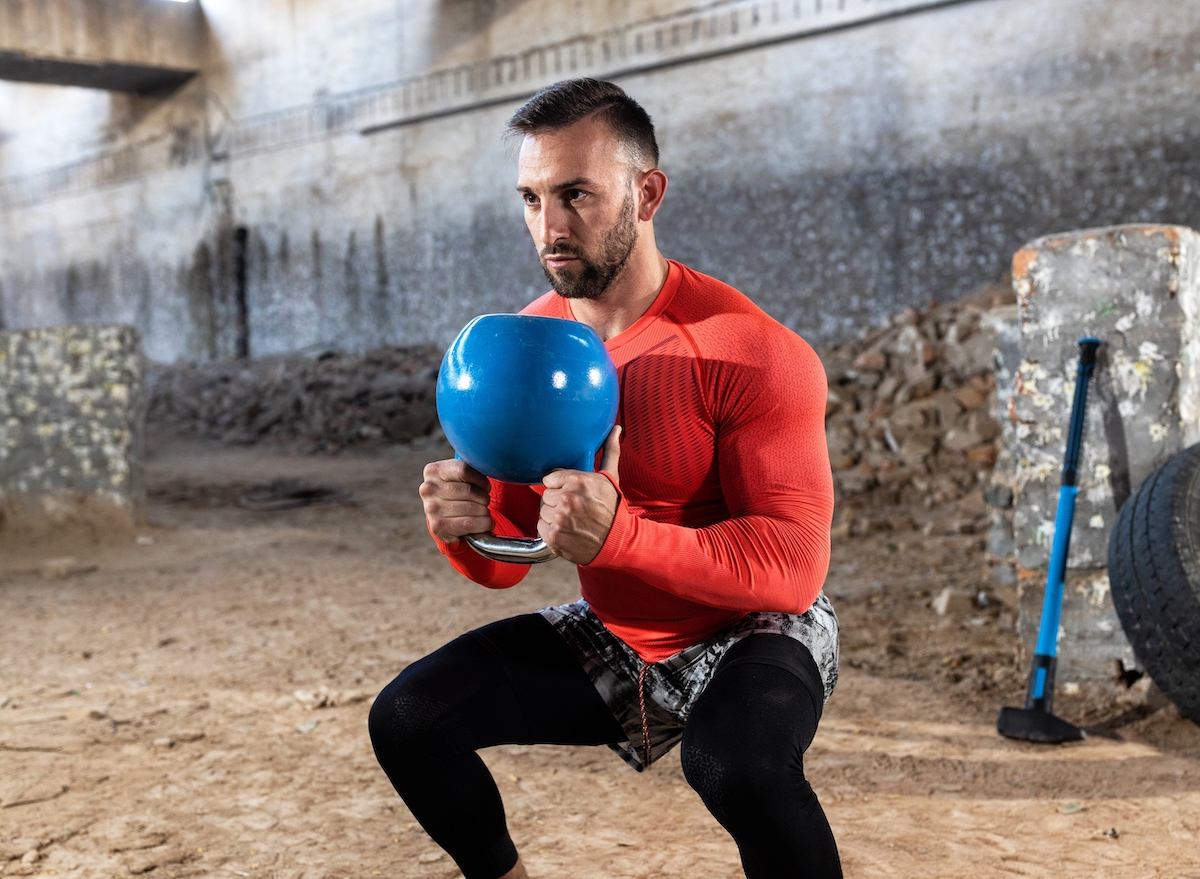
(518, 550)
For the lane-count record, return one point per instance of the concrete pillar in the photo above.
(72, 424)
(1137, 288)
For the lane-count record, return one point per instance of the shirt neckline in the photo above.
(660, 304)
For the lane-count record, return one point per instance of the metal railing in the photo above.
(637, 48)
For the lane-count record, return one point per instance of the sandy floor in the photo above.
(194, 704)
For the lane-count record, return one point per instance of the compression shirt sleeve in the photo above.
(515, 510)
(772, 553)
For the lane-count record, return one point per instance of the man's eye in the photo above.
(529, 198)
(574, 194)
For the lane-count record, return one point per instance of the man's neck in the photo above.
(629, 297)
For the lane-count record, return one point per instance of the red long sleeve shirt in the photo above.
(726, 492)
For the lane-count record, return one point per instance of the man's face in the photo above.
(580, 206)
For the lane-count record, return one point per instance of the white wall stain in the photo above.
(1148, 352)
(1145, 305)
(1100, 588)
(1132, 377)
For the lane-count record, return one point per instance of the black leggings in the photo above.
(517, 682)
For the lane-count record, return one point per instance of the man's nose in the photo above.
(554, 225)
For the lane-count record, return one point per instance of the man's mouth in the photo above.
(559, 260)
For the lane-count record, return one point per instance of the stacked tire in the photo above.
(1154, 568)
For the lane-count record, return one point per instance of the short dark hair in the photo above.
(572, 100)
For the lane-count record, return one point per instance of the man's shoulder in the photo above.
(547, 305)
(717, 314)
(704, 292)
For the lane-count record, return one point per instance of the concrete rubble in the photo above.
(321, 403)
(909, 421)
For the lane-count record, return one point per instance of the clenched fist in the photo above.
(578, 508)
(455, 497)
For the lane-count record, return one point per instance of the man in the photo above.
(702, 542)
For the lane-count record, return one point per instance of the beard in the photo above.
(596, 275)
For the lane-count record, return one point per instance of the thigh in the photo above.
(743, 750)
(756, 717)
(514, 681)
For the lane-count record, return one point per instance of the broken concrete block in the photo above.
(1137, 289)
(72, 417)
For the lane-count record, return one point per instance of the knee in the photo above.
(405, 714)
(705, 772)
(740, 785)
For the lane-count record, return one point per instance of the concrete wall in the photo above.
(836, 165)
(72, 418)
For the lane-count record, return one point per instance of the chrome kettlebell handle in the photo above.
(517, 550)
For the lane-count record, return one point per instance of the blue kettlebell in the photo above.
(521, 395)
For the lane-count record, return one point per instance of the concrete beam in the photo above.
(150, 47)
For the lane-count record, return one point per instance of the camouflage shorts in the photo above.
(673, 685)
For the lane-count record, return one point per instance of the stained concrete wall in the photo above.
(72, 417)
(1137, 289)
(836, 169)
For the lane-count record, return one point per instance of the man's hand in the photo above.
(578, 508)
(455, 497)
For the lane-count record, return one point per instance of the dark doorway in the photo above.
(240, 238)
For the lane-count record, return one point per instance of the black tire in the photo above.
(1154, 569)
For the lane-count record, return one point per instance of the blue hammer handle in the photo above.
(1041, 678)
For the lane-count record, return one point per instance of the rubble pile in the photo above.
(319, 404)
(909, 417)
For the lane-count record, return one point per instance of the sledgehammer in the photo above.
(1034, 722)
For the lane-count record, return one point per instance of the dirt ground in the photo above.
(193, 703)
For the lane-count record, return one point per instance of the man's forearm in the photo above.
(746, 563)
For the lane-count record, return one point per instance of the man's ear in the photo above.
(652, 186)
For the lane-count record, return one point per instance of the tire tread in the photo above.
(1152, 591)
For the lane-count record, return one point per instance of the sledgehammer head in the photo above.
(1034, 725)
